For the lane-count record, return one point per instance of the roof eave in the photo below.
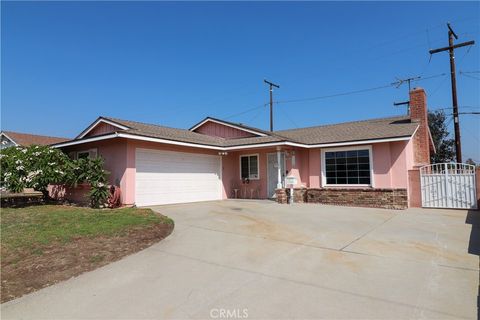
(127, 135)
(96, 122)
(9, 138)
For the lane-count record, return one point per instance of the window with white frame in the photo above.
(347, 167)
(249, 167)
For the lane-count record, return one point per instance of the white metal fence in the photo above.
(448, 185)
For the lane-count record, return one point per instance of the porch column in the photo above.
(279, 170)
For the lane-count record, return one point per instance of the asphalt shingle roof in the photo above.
(27, 139)
(383, 128)
(156, 131)
(353, 131)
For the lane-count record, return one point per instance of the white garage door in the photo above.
(165, 177)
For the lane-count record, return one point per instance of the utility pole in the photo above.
(271, 84)
(451, 50)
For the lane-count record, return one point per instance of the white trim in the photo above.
(93, 125)
(310, 146)
(323, 167)
(258, 165)
(75, 142)
(228, 125)
(221, 178)
(284, 166)
(358, 142)
(249, 146)
(13, 141)
(268, 144)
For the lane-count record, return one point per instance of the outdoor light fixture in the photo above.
(223, 153)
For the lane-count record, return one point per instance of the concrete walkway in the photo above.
(264, 260)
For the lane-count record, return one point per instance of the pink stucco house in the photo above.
(362, 163)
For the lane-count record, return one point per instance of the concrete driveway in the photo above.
(264, 260)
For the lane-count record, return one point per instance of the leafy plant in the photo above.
(32, 167)
(38, 166)
(97, 177)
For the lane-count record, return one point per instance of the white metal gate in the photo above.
(448, 185)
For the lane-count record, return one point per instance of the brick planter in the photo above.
(361, 197)
(281, 196)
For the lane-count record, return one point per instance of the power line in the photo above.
(443, 81)
(469, 75)
(287, 115)
(328, 96)
(255, 115)
(451, 49)
(462, 107)
(399, 82)
(430, 77)
(334, 95)
(474, 112)
(246, 111)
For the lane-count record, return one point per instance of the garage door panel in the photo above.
(165, 177)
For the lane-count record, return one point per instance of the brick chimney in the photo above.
(419, 113)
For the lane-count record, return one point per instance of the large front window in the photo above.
(347, 167)
(249, 167)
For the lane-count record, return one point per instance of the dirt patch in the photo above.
(25, 271)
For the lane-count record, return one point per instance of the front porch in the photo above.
(257, 173)
(261, 174)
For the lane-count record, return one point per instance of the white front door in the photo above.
(272, 172)
(165, 177)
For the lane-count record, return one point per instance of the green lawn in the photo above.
(37, 226)
(44, 244)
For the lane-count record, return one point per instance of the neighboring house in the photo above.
(11, 139)
(364, 163)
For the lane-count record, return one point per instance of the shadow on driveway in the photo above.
(473, 218)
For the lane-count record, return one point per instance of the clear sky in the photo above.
(65, 63)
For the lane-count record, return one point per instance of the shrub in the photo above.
(97, 177)
(38, 166)
(32, 167)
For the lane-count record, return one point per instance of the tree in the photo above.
(444, 145)
(471, 161)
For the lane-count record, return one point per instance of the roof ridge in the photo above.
(348, 122)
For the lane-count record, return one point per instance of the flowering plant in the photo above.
(38, 166)
(31, 167)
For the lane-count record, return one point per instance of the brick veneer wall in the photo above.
(418, 112)
(281, 196)
(414, 189)
(375, 198)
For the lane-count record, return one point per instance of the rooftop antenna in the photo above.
(397, 85)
